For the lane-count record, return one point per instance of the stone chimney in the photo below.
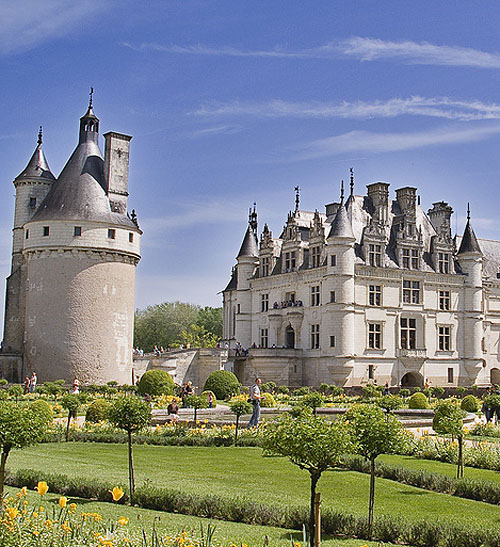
(116, 159)
(407, 199)
(378, 192)
(440, 217)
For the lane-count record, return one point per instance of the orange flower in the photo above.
(72, 507)
(42, 488)
(62, 502)
(117, 493)
(123, 521)
(24, 491)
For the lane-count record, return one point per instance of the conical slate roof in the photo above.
(469, 242)
(249, 246)
(341, 225)
(37, 166)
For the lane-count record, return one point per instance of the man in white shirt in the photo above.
(255, 398)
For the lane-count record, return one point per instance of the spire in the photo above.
(352, 180)
(469, 242)
(341, 225)
(89, 123)
(297, 198)
(250, 247)
(37, 166)
(342, 191)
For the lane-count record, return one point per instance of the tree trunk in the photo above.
(67, 425)
(131, 481)
(460, 468)
(317, 517)
(372, 497)
(3, 461)
(236, 431)
(195, 409)
(312, 521)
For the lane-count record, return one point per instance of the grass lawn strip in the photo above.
(227, 532)
(244, 472)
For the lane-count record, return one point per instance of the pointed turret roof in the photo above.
(469, 242)
(37, 166)
(249, 247)
(341, 226)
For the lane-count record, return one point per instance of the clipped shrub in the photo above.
(437, 391)
(418, 401)
(313, 400)
(390, 402)
(301, 391)
(268, 401)
(97, 411)
(43, 409)
(214, 398)
(370, 391)
(284, 389)
(223, 383)
(268, 386)
(404, 392)
(323, 387)
(427, 392)
(336, 391)
(470, 403)
(155, 382)
(461, 390)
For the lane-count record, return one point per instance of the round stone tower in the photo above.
(81, 249)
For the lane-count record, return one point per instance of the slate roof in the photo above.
(249, 247)
(341, 225)
(469, 242)
(37, 166)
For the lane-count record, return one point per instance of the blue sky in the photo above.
(231, 102)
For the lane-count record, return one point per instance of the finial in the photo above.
(297, 198)
(39, 141)
(341, 191)
(352, 181)
(468, 211)
(91, 96)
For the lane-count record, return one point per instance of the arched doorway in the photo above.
(495, 376)
(412, 379)
(289, 337)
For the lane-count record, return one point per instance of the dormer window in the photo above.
(443, 262)
(315, 256)
(290, 261)
(375, 255)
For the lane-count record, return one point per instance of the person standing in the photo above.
(33, 381)
(255, 399)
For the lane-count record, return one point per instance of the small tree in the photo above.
(53, 388)
(313, 400)
(196, 402)
(375, 433)
(16, 391)
(156, 382)
(20, 426)
(449, 420)
(223, 383)
(389, 402)
(71, 402)
(130, 414)
(310, 442)
(238, 408)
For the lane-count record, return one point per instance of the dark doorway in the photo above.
(412, 379)
(290, 337)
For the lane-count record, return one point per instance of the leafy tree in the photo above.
(16, 391)
(313, 400)
(156, 382)
(449, 420)
(375, 433)
(211, 320)
(130, 414)
(196, 402)
(223, 383)
(238, 408)
(71, 402)
(20, 426)
(311, 443)
(389, 402)
(197, 337)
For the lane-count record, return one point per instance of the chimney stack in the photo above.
(116, 159)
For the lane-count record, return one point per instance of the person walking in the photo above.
(255, 398)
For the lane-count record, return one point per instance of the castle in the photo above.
(69, 307)
(372, 290)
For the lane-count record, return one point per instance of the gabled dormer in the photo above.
(292, 250)
(316, 242)
(442, 246)
(407, 235)
(268, 253)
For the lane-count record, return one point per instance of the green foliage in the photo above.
(301, 391)
(323, 387)
(239, 408)
(214, 398)
(313, 400)
(129, 413)
(448, 419)
(16, 391)
(427, 392)
(492, 401)
(197, 337)
(470, 403)
(43, 408)
(437, 391)
(211, 320)
(268, 401)
(268, 386)
(3, 382)
(370, 391)
(418, 401)
(461, 390)
(97, 411)
(156, 382)
(284, 389)
(71, 402)
(404, 392)
(389, 402)
(336, 391)
(223, 383)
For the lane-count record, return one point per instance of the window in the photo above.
(46, 231)
(333, 298)
(375, 295)
(27, 234)
(408, 333)
(450, 376)
(410, 258)
(333, 260)
(374, 335)
(315, 257)
(371, 372)
(111, 233)
(264, 302)
(239, 308)
(315, 296)
(264, 338)
(415, 259)
(444, 300)
(444, 338)
(443, 263)
(315, 336)
(32, 202)
(290, 261)
(266, 263)
(375, 255)
(290, 297)
(411, 292)
(130, 237)
(405, 253)
(77, 231)
(332, 341)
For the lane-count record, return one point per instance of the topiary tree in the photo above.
(223, 383)
(404, 392)
(470, 403)
(324, 388)
(370, 391)
(299, 392)
(20, 426)
(418, 401)
(205, 394)
(16, 391)
(461, 390)
(313, 400)
(130, 414)
(493, 402)
(155, 382)
(71, 402)
(269, 387)
(43, 408)
(449, 420)
(196, 402)
(389, 402)
(238, 408)
(374, 433)
(437, 391)
(97, 411)
(311, 443)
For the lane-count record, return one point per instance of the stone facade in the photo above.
(371, 290)
(70, 296)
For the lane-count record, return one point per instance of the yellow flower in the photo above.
(11, 512)
(24, 491)
(72, 507)
(42, 488)
(65, 526)
(117, 493)
(62, 502)
(123, 521)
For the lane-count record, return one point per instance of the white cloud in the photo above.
(27, 23)
(217, 130)
(364, 141)
(423, 53)
(438, 107)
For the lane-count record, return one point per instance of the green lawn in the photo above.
(226, 532)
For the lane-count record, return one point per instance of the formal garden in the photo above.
(108, 467)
